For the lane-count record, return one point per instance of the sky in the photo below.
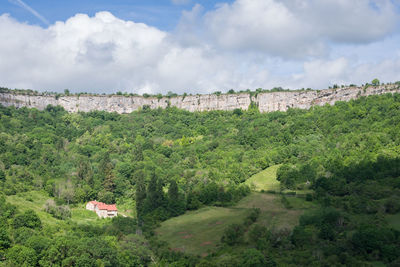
(148, 46)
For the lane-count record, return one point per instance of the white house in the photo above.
(102, 210)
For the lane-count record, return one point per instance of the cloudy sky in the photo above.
(196, 46)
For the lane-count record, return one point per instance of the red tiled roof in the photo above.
(104, 206)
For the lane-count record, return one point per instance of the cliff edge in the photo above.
(267, 102)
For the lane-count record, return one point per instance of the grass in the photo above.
(394, 221)
(273, 213)
(265, 180)
(199, 232)
(35, 200)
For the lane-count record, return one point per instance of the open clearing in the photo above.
(35, 200)
(394, 221)
(199, 232)
(265, 180)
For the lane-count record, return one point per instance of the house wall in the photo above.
(101, 213)
(90, 206)
(112, 213)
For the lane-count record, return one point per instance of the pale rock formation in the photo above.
(267, 102)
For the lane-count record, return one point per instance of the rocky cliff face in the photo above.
(266, 102)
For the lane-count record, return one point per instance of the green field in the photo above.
(265, 180)
(394, 221)
(35, 200)
(199, 232)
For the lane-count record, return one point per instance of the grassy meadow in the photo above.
(35, 200)
(265, 180)
(199, 232)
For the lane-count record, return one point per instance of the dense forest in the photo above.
(162, 163)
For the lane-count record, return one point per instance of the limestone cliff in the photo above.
(267, 102)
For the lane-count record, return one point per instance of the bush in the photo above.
(28, 219)
(59, 212)
(254, 214)
(253, 258)
(259, 235)
(21, 256)
(233, 234)
(286, 202)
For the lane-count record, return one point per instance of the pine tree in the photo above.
(173, 193)
(106, 171)
(155, 194)
(140, 195)
(176, 202)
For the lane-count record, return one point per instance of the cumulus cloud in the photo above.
(245, 44)
(323, 73)
(104, 53)
(300, 28)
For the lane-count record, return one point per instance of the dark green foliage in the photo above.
(253, 258)
(370, 239)
(233, 234)
(5, 241)
(27, 219)
(176, 201)
(140, 195)
(2, 175)
(286, 202)
(122, 226)
(260, 236)
(21, 256)
(347, 153)
(155, 197)
(254, 214)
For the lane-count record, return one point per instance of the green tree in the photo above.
(21, 256)
(27, 219)
(253, 258)
(233, 234)
(375, 82)
(140, 194)
(106, 170)
(2, 175)
(5, 241)
(176, 201)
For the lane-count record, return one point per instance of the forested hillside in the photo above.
(161, 163)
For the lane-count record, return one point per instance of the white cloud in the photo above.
(323, 73)
(246, 44)
(103, 53)
(299, 28)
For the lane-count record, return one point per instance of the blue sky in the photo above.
(163, 14)
(197, 46)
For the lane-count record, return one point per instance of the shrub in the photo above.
(28, 219)
(59, 212)
(286, 202)
(233, 234)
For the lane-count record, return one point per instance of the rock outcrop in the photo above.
(267, 102)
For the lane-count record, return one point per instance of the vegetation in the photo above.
(328, 182)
